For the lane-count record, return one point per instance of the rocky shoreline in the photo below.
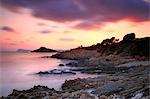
(125, 64)
(132, 84)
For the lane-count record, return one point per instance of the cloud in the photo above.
(45, 32)
(12, 44)
(88, 25)
(85, 10)
(58, 10)
(41, 24)
(7, 29)
(7, 39)
(67, 39)
(9, 43)
(147, 1)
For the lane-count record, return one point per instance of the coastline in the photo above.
(126, 84)
(126, 72)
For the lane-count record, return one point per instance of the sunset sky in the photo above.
(65, 24)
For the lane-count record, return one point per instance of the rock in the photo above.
(74, 85)
(77, 95)
(108, 89)
(103, 97)
(61, 65)
(46, 57)
(86, 95)
(56, 71)
(129, 37)
(71, 64)
(138, 96)
(44, 49)
(37, 92)
(45, 72)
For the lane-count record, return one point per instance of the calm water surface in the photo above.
(17, 71)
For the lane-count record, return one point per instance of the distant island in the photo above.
(44, 49)
(23, 50)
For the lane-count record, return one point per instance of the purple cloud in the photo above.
(117, 9)
(95, 11)
(58, 10)
(87, 25)
(7, 29)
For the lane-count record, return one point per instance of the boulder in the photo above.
(75, 85)
(61, 65)
(129, 37)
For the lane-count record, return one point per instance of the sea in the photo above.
(18, 71)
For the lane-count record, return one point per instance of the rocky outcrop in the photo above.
(75, 54)
(128, 46)
(56, 71)
(44, 49)
(109, 52)
(37, 92)
(129, 37)
(75, 85)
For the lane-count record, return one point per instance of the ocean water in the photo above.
(17, 71)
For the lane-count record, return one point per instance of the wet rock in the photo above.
(41, 72)
(69, 63)
(57, 71)
(61, 65)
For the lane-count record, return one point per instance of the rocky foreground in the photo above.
(124, 65)
(130, 84)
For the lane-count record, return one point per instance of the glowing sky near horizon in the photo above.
(65, 24)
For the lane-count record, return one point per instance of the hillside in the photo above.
(110, 51)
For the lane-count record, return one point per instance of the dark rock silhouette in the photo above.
(129, 37)
(44, 49)
(61, 65)
(56, 71)
(128, 46)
